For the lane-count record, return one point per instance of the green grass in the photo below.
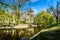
(51, 33)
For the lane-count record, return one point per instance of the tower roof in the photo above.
(30, 11)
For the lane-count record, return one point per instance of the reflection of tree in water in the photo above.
(8, 36)
(16, 35)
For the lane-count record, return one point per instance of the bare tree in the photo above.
(54, 11)
(18, 4)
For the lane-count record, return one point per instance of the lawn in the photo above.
(52, 33)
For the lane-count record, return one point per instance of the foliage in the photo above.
(22, 22)
(53, 25)
(36, 30)
(55, 11)
(16, 6)
(44, 19)
(6, 18)
(52, 34)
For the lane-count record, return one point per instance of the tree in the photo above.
(55, 11)
(44, 19)
(18, 4)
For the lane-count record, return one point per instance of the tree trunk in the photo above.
(57, 19)
(57, 12)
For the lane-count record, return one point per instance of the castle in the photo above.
(28, 18)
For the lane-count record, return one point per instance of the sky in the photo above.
(38, 5)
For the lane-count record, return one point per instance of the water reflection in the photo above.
(15, 34)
